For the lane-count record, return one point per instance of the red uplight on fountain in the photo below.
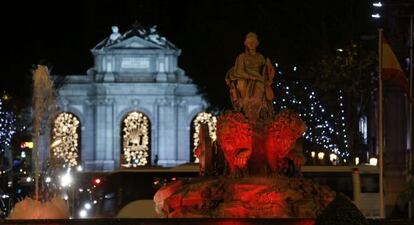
(252, 169)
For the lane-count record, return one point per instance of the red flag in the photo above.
(391, 69)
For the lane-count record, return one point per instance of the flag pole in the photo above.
(380, 127)
(411, 154)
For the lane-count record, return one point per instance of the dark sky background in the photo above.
(210, 34)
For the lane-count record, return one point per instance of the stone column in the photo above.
(183, 148)
(104, 135)
(167, 140)
(88, 136)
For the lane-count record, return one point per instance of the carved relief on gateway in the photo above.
(135, 63)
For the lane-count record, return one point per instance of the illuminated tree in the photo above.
(332, 94)
(326, 127)
(7, 129)
(349, 70)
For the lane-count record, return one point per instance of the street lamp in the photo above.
(356, 161)
(66, 179)
(82, 213)
(377, 4)
(373, 161)
(376, 16)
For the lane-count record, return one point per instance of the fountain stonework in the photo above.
(244, 170)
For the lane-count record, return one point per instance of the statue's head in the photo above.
(251, 41)
(114, 29)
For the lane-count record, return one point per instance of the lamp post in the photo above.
(410, 153)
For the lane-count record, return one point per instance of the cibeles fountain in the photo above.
(253, 168)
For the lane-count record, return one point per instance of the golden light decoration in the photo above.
(135, 140)
(65, 138)
(204, 118)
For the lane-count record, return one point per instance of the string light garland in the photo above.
(7, 128)
(203, 118)
(135, 140)
(65, 139)
(326, 130)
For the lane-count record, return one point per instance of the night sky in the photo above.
(210, 34)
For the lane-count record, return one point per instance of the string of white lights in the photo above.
(324, 129)
(203, 118)
(65, 138)
(135, 140)
(7, 128)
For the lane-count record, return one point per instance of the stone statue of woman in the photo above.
(250, 82)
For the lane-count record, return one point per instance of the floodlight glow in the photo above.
(79, 168)
(28, 179)
(83, 213)
(87, 206)
(48, 179)
(66, 180)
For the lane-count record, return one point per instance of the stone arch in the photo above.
(73, 110)
(135, 143)
(117, 124)
(66, 138)
(121, 114)
(193, 113)
(199, 118)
